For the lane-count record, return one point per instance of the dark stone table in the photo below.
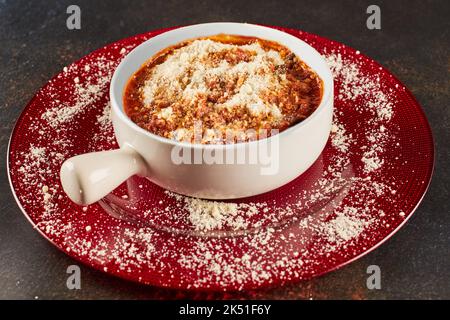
(413, 43)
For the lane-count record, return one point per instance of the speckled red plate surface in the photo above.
(368, 181)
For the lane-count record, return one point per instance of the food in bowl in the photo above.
(87, 178)
(222, 89)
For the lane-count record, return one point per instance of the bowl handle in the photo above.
(89, 177)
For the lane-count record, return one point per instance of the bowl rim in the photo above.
(328, 82)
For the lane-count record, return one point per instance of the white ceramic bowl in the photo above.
(89, 177)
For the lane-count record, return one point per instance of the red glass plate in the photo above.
(368, 181)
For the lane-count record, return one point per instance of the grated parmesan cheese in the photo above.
(190, 59)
